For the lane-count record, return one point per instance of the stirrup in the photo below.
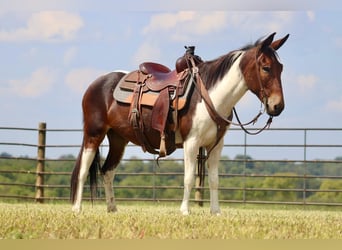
(162, 147)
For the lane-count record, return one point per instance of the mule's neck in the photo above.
(229, 89)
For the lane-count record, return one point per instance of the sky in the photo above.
(52, 50)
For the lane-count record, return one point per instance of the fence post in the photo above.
(40, 162)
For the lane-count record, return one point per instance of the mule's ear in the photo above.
(277, 44)
(268, 41)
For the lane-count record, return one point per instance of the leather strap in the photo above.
(221, 122)
(136, 119)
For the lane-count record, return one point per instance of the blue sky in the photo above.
(52, 50)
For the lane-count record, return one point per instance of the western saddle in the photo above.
(165, 91)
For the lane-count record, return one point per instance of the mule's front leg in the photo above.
(190, 154)
(213, 162)
(108, 186)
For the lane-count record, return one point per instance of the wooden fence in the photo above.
(305, 150)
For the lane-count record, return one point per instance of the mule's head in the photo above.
(262, 72)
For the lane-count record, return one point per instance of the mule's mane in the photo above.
(214, 70)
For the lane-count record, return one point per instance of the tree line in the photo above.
(257, 178)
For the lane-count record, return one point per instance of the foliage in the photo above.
(330, 191)
(259, 181)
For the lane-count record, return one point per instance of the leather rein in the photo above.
(221, 121)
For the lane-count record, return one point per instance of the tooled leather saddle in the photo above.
(165, 91)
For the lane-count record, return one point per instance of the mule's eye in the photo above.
(266, 69)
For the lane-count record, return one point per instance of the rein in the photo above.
(221, 121)
(267, 125)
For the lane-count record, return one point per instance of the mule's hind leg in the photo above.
(116, 149)
(87, 156)
(86, 159)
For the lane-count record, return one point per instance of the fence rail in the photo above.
(300, 186)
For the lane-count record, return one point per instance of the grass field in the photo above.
(163, 221)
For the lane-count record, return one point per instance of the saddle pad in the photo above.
(123, 93)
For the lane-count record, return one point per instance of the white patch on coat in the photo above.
(224, 95)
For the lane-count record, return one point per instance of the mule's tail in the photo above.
(93, 170)
(95, 165)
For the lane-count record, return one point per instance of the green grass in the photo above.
(163, 221)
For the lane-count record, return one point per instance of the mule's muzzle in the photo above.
(274, 107)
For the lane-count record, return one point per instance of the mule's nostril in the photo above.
(274, 109)
(278, 108)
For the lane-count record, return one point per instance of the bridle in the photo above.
(222, 122)
(263, 103)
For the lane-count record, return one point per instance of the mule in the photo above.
(225, 80)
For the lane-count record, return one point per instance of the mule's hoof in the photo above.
(76, 209)
(112, 209)
(185, 212)
(216, 213)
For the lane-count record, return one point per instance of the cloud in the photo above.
(306, 82)
(148, 51)
(37, 84)
(184, 24)
(37, 5)
(260, 22)
(157, 5)
(45, 26)
(70, 55)
(79, 79)
(311, 15)
(335, 105)
(280, 20)
(167, 21)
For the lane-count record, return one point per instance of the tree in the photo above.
(249, 163)
(290, 181)
(5, 155)
(67, 157)
(326, 192)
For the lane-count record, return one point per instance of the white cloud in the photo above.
(184, 24)
(79, 79)
(148, 51)
(37, 84)
(157, 5)
(167, 21)
(279, 20)
(41, 5)
(262, 23)
(70, 55)
(306, 82)
(311, 15)
(335, 105)
(46, 26)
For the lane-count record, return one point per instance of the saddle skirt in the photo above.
(165, 91)
(154, 79)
